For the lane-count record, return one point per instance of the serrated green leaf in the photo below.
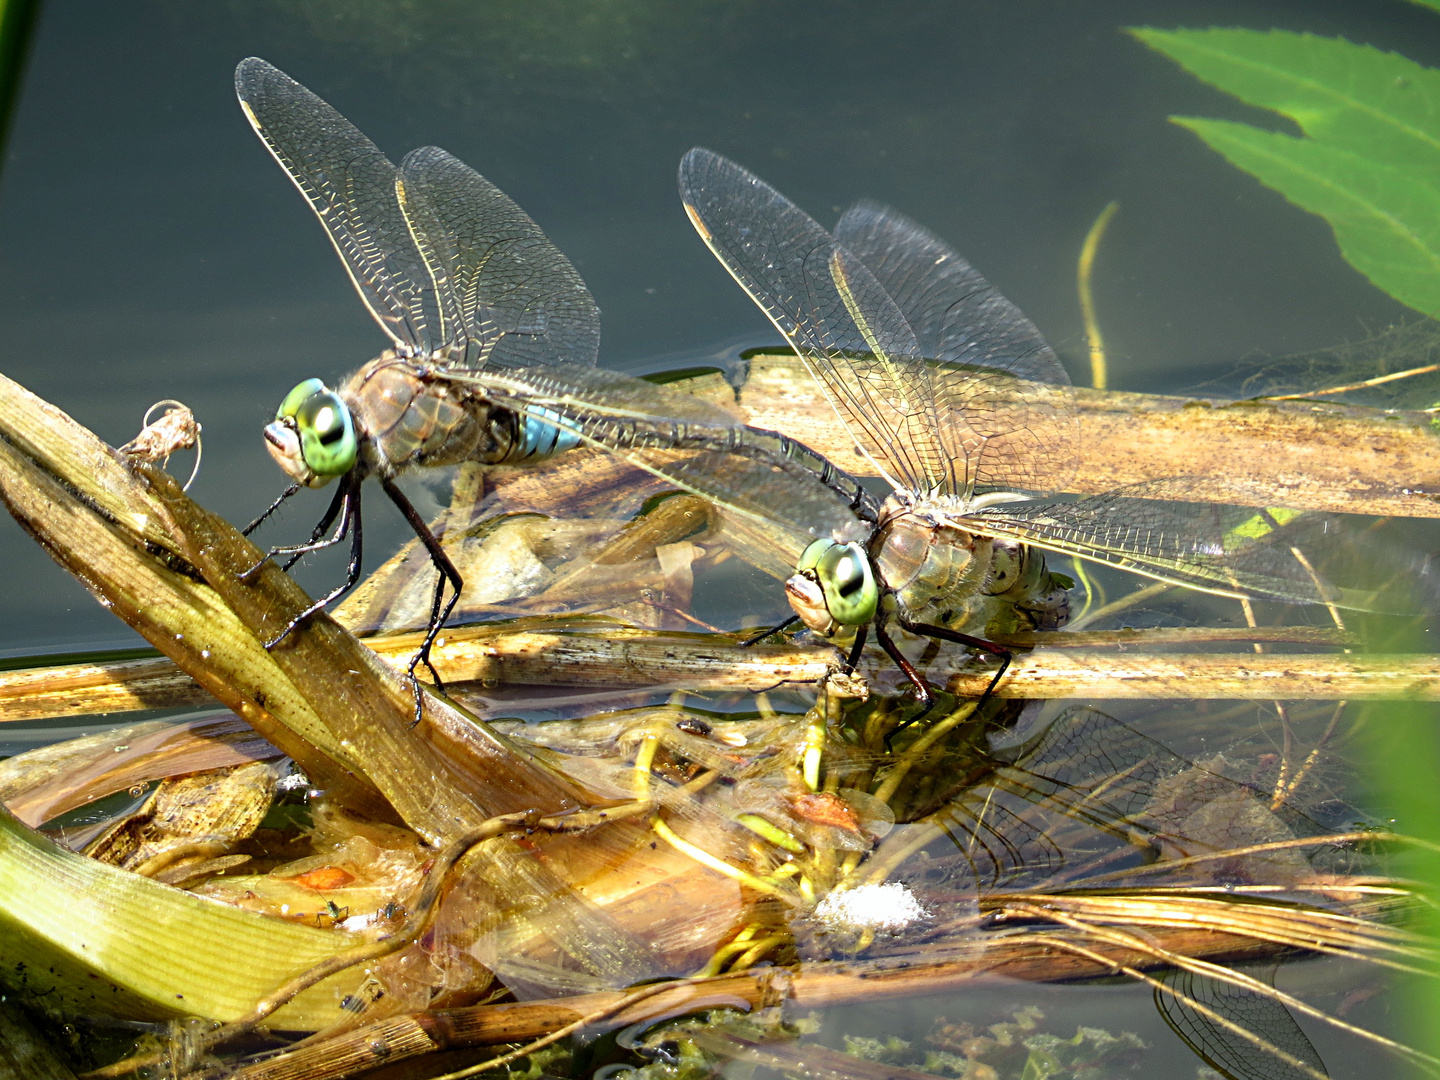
(1357, 98)
(1370, 164)
(1386, 220)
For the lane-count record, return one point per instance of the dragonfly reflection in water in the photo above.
(961, 405)
(494, 338)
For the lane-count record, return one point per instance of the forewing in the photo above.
(695, 444)
(838, 318)
(1006, 414)
(350, 185)
(767, 493)
(514, 300)
(595, 396)
(1255, 552)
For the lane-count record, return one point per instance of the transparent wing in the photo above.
(350, 185)
(1089, 776)
(838, 318)
(1256, 552)
(1006, 401)
(714, 455)
(597, 396)
(1219, 1044)
(508, 294)
(769, 493)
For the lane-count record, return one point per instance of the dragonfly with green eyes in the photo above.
(494, 338)
(962, 407)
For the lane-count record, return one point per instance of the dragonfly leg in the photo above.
(448, 573)
(856, 649)
(349, 524)
(923, 693)
(791, 621)
(298, 551)
(321, 526)
(1003, 654)
(291, 490)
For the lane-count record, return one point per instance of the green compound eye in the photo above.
(811, 555)
(293, 400)
(327, 433)
(844, 575)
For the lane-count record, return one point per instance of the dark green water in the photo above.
(150, 248)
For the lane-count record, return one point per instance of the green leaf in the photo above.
(1428, 3)
(1386, 220)
(1370, 164)
(1355, 97)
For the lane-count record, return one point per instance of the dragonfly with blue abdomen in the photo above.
(494, 339)
(960, 404)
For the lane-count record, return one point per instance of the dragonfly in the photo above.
(493, 335)
(962, 407)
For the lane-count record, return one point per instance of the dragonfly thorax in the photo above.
(406, 419)
(410, 412)
(926, 561)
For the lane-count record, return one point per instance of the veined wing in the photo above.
(1237, 551)
(594, 394)
(1006, 412)
(838, 318)
(350, 185)
(767, 491)
(513, 299)
(697, 445)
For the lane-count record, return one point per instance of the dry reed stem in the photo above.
(624, 658)
(1337, 458)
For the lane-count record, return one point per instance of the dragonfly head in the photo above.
(833, 586)
(313, 435)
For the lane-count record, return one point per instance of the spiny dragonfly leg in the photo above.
(856, 649)
(297, 551)
(448, 573)
(349, 524)
(291, 490)
(944, 633)
(923, 693)
(791, 621)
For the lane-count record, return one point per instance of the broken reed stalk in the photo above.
(581, 653)
(1315, 455)
(180, 577)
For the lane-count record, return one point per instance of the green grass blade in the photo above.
(82, 936)
(1387, 221)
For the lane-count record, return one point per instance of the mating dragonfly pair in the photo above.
(946, 386)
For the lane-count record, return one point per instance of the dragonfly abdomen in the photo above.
(1020, 577)
(534, 437)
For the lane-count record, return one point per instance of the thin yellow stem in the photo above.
(921, 746)
(1377, 381)
(1099, 370)
(702, 856)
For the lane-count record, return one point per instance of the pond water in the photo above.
(150, 248)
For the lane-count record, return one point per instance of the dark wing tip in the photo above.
(430, 157)
(696, 160)
(252, 73)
